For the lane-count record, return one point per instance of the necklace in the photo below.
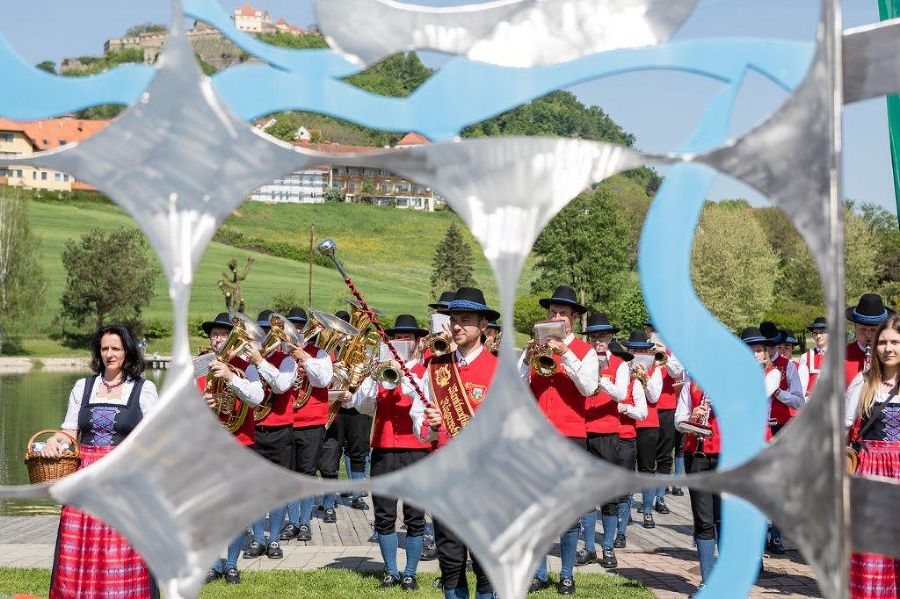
(110, 387)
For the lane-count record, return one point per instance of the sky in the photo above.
(52, 30)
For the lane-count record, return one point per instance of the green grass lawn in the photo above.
(388, 252)
(330, 584)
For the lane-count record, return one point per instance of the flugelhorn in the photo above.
(541, 356)
(438, 340)
(386, 375)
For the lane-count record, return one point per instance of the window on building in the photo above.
(402, 202)
(34, 175)
(65, 177)
(19, 173)
(7, 137)
(62, 142)
(43, 175)
(57, 177)
(46, 143)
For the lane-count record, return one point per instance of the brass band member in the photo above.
(247, 390)
(465, 374)
(814, 358)
(866, 317)
(788, 398)
(314, 365)
(562, 399)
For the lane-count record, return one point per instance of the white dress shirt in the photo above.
(319, 369)
(148, 399)
(278, 379)
(803, 373)
(654, 386)
(618, 388)
(247, 389)
(584, 373)
(683, 408)
(639, 410)
(365, 399)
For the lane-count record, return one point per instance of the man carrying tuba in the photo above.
(562, 397)
(246, 389)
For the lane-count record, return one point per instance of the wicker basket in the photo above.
(42, 469)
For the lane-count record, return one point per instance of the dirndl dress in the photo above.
(93, 561)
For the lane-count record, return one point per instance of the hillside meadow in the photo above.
(387, 251)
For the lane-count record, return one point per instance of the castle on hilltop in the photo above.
(209, 44)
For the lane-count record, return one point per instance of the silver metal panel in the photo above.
(870, 61)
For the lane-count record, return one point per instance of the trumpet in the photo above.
(542, 359)
(660, 357)
(386, 375)
(439, 343)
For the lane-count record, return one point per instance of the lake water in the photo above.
(29, 403)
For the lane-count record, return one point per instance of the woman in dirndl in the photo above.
(91, 559)
(873, 413)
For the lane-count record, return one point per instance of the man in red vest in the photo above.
(314, 373)
(248, 390)
(814, 358)
(395, 446)
(787, 399)
(868, 313)
(562, 397)
(454, 386)
(274, 432)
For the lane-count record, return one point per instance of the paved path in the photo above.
(663, 559)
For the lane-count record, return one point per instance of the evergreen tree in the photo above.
(452, 263)
(22, 282)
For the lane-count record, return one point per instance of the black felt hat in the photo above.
(597, 322)
(787, 336)
(220, 321)
(770, 332)
(564, 296)
(406, 323)
(297, 316)
(869, 310)
(263, 319)
(470, 299)
(443, 301)
(638, 340)
(819, 324)
(493, 325)
(617, 350)
(752, 336)
(343, 315)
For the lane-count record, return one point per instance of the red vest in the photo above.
(601, 410)
(627, 428)
(315, 411)
(393, 427)
(558, 397)
(854, 360)
(813, 361)
(282, 405)
(712, 444)
(668, 399)
(652, 419)
(778, 411)
(476, 377)
(246, 434)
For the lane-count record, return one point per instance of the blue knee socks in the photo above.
(706, 551)
(610, 527)
(413, 553)
(624, 513)
(388, 546)
(589, 524)
(647, 498)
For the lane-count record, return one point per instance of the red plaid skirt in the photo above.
(92, 560)
(875, 576)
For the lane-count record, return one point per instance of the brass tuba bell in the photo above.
(244, 332)
(332, 333)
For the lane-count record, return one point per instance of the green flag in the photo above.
(890, 9)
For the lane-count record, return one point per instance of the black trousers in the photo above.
(679, 444)
(354, 430)
(604, 446)
(307, 447)
(330, 457)
(276, 444)
(391, 460)
(647, 440)
(626, 457)
(705, 507)
(666, 443)
(452, 555)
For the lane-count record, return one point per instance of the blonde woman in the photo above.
(873, 415)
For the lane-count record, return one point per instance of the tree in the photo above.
(145, 28)
(452, 263)
(860, 256)
(630, 314)
(109, 278)
(47, 65)
(734, 269)
(282, 301)
(22, 282)
(285, 126)
(586, 247)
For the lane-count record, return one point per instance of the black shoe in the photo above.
(289, 532)
(212, 576)
(677, 492)
(429, 549)
(254, 550)
(661, 506)
(389, 581)
(408, 583)
(303, 533)
(364, 494)
(776, 546)
(609, 559)
(639, 507)
(582, 558)
(330, 516)
(273, 551)
(620, 541)
(359, 504)
(648, 521)
(566, 586)
(538, 585)
(232, 576)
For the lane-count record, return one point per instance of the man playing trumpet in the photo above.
(561, 394)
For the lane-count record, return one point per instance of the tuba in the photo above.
(332, 333)
(282, 331)
(355, 359)
(230, 411)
